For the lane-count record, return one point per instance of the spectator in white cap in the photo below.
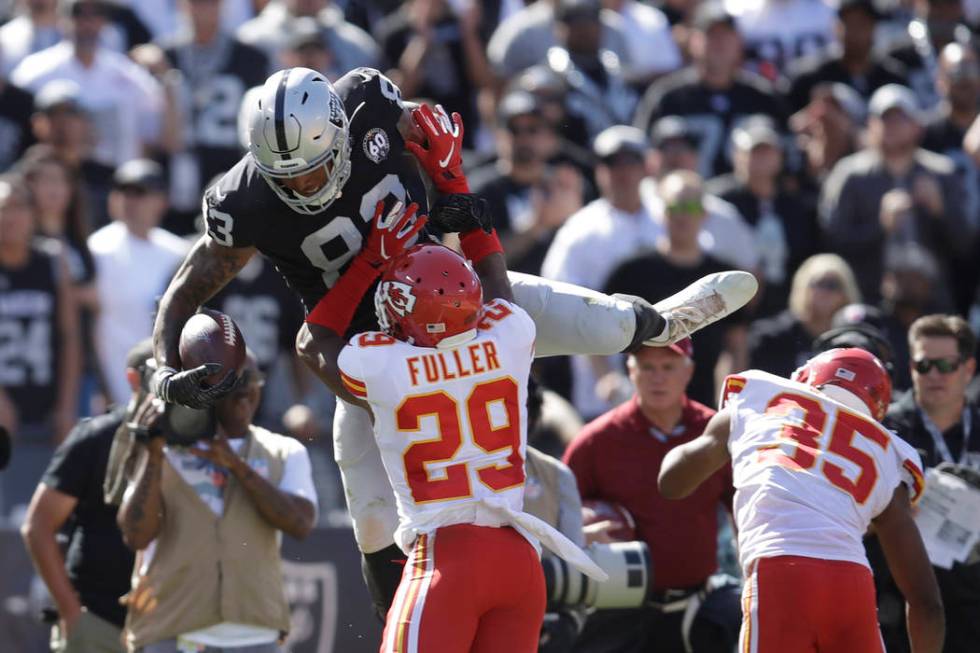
(603, 233)
(893, 192)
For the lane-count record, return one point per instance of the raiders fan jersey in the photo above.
(709, 114)
(312, 251)
(215, 80)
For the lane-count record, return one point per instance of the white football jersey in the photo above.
(810, 473)
(451, 423)
(778, 32)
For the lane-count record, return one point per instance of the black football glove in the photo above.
(185, 388)
(461, 212)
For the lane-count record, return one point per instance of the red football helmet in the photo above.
(854, 370)
(427, 294)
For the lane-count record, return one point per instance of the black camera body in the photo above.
(181, 426)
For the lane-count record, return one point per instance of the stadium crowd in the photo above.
(832, 148)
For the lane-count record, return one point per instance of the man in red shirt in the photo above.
(616, 458)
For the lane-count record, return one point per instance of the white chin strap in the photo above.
(456, 340)
(846, 397)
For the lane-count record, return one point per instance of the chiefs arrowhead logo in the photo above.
(398, 296)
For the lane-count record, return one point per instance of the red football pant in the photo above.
(792, 604)
(468, 588)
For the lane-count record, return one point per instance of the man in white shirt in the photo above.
(123, 100)
(649, 41)
(602, 234)
(134, 260)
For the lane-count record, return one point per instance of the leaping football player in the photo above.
(327, 165)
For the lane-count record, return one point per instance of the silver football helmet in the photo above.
(297, 125)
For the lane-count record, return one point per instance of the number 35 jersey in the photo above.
(451, 424)
(312, 251)
(810, 473)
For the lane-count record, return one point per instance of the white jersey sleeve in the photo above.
(810, 473)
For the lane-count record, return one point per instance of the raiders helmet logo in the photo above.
(376, 145)
(337, 115)
(398, 296)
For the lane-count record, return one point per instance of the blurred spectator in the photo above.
(603, 233)
(651, 46)
(307, 48)
(210, 560)
(892, 192)
(677, 261)
(724, 233)
(959, 87)
(596, 91)
(779, 32)
(134, 260)
(523, 39)
(40, 365)
(785, 228)
(216, 70)
(87, 583)
(821, 286)
(713, 93)
(529, 198)
(16, 106)
(270, 31)
(850, 61)
(164, 22)
(930, 30)
(61, 123)
(124, 102)
(613, 459)
(434, 50)
(878, 332)
(937, 419)
(827, 130)
(35, 28)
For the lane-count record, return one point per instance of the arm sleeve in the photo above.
(297, 475)
(68, 471)
(579, 459)
(227, 224)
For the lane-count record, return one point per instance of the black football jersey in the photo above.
(710, 114)
(312, 251)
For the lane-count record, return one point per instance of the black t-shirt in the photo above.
(98, 562)
(826, 68)
(709, 114)
(653, 278)
(16, 107)
(779, 344)
(312, 251)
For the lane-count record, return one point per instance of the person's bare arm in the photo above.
(687, 466)
(910, 566)
(492, 270)
(70, 354)
(140, 515)
(207, 269)
(48, 512)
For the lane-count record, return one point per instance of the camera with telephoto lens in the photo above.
(179, 425)
(630, 578)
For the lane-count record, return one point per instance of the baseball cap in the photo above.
(710, 14)
(517, 103)
(138, 355)
(619, 138)
(59, 94)
(140, 173)
(755, 132)
(683, 347)
(895, 96)
(868, 6)
(849, 100)
(305, 31)
(671, 128)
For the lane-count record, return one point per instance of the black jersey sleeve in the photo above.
(231, 207)
(371, 100)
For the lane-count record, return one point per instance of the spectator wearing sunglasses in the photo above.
(937, 418)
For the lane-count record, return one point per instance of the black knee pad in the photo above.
(382, 572)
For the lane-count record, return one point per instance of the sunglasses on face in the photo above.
(828, 284)
(685, 207)
(943, 365)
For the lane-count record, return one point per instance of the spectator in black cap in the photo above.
(850, 61)
(713, 93)
(61, 122)
(85, 585)
(785, 228)
(134, 260)
(530, 195)
(893, 192)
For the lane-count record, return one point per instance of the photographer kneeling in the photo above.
(206, 519)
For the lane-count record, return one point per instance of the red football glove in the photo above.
(443, 159)
(390, 235)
